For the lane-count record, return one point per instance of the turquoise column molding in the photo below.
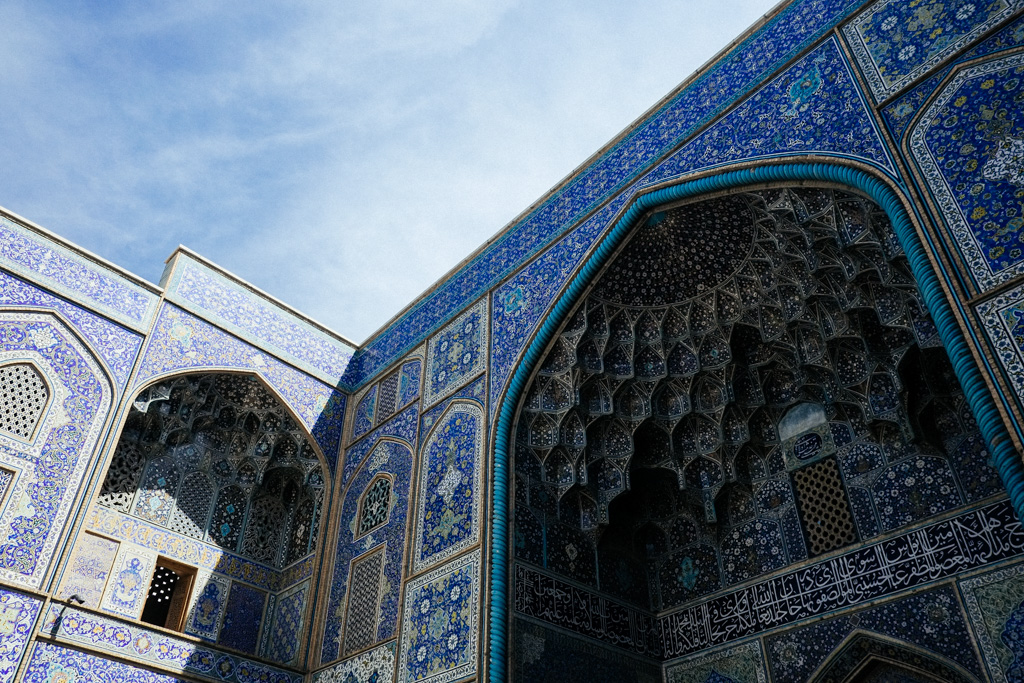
(1007, 461)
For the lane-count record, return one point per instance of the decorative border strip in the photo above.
(65, 624)
(1008, 463)
(43, 260)
(200, 289)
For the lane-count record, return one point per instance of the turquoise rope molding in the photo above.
(1000, 446)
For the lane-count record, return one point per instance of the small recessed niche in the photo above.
(169, 593)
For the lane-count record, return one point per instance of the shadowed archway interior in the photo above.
(753, 382)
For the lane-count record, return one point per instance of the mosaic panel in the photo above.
(41, 259)
(17, 617)
(1002, 319)
(546, 655)
(899, 112)
(363, 601)
(816, 102)
(52, 664)
(40, 501)
(129, 581)
(260, 321)
(934, 552)
(374, 666)
(439, 623)
(740, 664)
(409, 384)
(182, 548)
(747, 65)
(121, 639)
(968, 145)
(363, 420)
(242, 618)
(456, 353)
(896, 42)
(995, 605)
(452, 461)
(556, 601)
(116, 346)
(402, 427)
(289, 618)
(475, 391)
(209, 597)
(931, 621)
(395, 459)
(180, 341)
(88, 569)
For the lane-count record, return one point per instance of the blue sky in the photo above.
(341, 156)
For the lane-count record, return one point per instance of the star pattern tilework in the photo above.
(373, 666)
(242, 618)
(439, 623)
(286, 633)
(448, 515)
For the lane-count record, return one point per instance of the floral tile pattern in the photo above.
(129, 581)
(41, 259)
(127, 640)
(52, 466)
(373, 666)
(181, 341)
(260, 321)
(741, 664)
(206, 611)
(17, 617)
(242, 619)
(439, 623)
(87, 573)
(51, 663)
(995, 606)
(895, 42)
(116, 346)
(451, 465)
(402, 427)
(457, 353)
(968, 145)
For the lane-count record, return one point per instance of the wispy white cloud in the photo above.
(342, 156)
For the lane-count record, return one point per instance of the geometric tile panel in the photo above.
(129, 581)
(363, 601)
(87, 572)
(242, 618)
(131, 641)
(373, 666)
(439, 623)
(286, 633)
(117, 346)
(456, 353)
(33, 519)
(42, 259)
(181, 341)
(742, 664)
(451, 462)
(896, 41)
(52, 664)
(995, 605)
(17, 617)
(968, 145)
(196, 286)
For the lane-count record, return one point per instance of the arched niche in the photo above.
(971, 411)
(217, 457)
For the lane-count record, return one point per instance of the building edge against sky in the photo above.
(740, 400)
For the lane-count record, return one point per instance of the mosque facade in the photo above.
(740, 400)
